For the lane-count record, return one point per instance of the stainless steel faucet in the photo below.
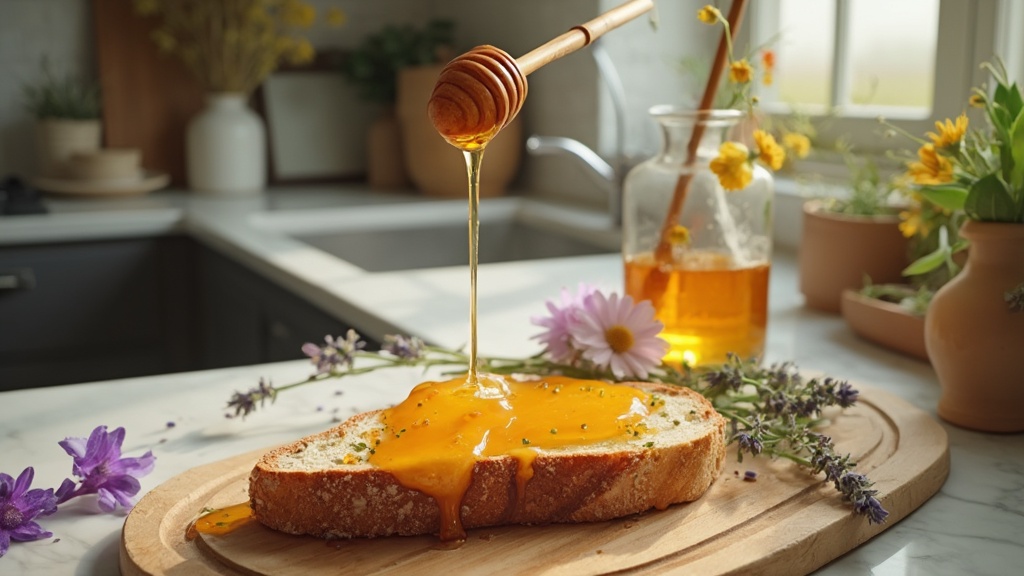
(609, 174)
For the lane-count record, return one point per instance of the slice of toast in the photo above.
(323, 486)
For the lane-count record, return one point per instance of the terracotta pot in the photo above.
(385, 158)
(435, 166)
(885, 323)
(837, 252)
(975, 342)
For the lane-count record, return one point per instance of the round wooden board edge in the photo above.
(167, 503)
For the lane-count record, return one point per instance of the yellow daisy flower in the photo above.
(740, 71)
(679, 235)
(146, 7)
(768, 150)
(164, 40)
(911, 222)
(949, 133)
(732, 166)
(798, 144)
(335, 17)
(932, 169)
(709, 15)
(298, 14)
(301, 52)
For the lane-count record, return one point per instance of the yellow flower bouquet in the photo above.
(233, 45)
(976, 173)
(735, 162)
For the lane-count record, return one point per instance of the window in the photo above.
(847, 62)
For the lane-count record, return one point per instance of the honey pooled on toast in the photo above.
(433, 439)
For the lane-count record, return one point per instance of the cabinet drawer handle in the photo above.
(19, 279)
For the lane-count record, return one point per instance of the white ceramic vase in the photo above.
(226, 150)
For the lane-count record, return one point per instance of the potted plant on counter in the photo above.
(849, 238)
(374, 67)
(892, 314)
(974, 327)
(67, 113)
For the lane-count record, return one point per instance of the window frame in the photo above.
(985, 28)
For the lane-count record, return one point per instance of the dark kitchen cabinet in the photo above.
(246, 319)
(77, 312)
(86, 311)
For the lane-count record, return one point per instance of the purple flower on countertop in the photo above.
(556, 339)
(620, 335)
(338, 353)
(20, 506)
(101, 469)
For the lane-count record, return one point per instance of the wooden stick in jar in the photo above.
(663, 251)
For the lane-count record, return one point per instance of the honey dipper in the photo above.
(481, 91)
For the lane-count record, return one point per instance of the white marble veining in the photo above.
(974, 525)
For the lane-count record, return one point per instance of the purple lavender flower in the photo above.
(847, 395)
(404, 347)
(19, 507)
(101, 469)
(245, 403)
(748, 443)
(338, 353)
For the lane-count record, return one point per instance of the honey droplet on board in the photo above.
(221, 521)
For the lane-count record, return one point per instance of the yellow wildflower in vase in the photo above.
(710, 292)
(230, 47)
(705, 266)
(233, 45)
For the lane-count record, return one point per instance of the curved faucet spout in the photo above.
(599, 168)
(609, 175)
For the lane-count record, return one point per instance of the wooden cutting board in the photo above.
(786, 522)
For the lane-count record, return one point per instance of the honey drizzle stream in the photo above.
(474, 159)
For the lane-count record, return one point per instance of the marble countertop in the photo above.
(974, 525)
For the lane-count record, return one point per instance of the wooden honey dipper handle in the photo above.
(582, 35)
(481, 91)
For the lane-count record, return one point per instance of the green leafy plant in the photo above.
(374, 65)
(976, 173)
(870, 194)
(64, 97)
(914, 300)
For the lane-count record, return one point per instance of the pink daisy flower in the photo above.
(556, 338)
(614, 333)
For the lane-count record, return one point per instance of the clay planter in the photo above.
(885, 323)
(57, 140)
(384, 156)
(436, 167)
(974, 340)
(837, 252)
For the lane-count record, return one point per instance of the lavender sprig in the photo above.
(774, 410)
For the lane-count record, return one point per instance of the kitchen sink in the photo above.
(435, 234)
